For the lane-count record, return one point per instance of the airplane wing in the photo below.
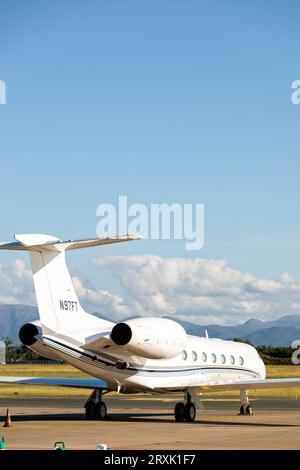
(240, 385)
(57, 382)
(254, 384)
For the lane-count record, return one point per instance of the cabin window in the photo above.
(214, 357)
(194, 356)
(241, 361)
(223, 359)
(184, 355)
(204, 357)
(232, 360)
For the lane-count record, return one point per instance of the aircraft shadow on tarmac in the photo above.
(143, 418)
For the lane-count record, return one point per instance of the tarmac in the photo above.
(137, 422)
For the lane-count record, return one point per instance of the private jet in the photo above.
(145, 354)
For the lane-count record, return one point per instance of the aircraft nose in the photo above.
(263, 369)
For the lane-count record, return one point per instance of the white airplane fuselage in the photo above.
(203, 360)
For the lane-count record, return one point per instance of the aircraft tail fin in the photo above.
(58, 304)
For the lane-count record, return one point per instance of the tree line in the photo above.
(272, 355)
(21, 353)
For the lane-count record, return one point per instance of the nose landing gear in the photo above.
(246, 408)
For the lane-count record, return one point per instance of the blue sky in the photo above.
(164, 101)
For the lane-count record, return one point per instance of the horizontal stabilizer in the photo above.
(39, 242)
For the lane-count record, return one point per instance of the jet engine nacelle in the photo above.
(153, 338)
(30, 334)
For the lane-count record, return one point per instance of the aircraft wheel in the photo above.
(249, 410)
(90, 410)
(190, 412)
(242, 410)
(101, 410)
(179, 412)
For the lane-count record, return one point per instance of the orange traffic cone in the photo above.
(7, 423)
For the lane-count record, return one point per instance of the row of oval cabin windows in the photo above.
(223, 359)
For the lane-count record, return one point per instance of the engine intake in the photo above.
(29, 334)
(121, 334)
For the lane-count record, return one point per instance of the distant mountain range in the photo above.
(12, 317)
(281, 332)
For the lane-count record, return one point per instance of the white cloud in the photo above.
(102, 300)
(16, 284)
(197, 290)
(200, 290)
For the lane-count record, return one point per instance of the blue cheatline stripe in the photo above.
(108, 366)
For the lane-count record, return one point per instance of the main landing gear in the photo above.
(185, 411)
(95, 408)
(246, 408)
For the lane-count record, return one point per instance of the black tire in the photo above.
(249, 410)
(90, 410)
(243, 410)
(179, 412)
(101, 410)
(190, 412)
